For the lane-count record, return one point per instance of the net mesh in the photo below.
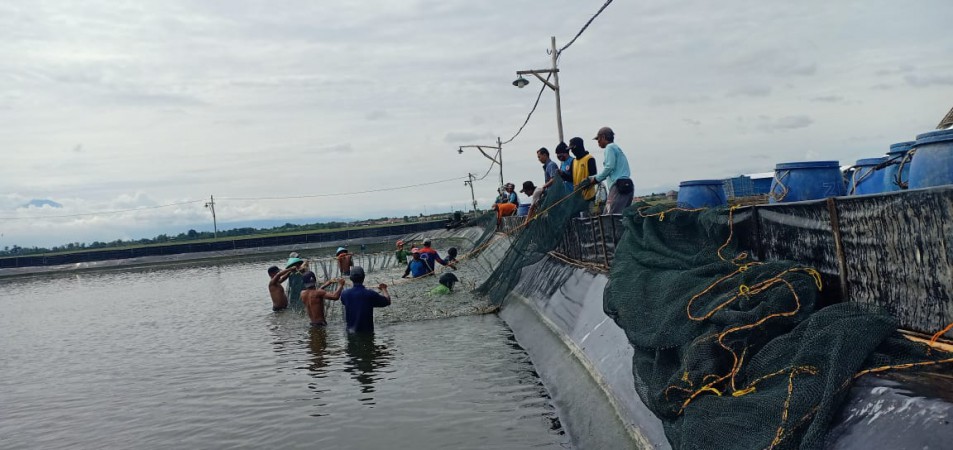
(736, 353)
(532, 240)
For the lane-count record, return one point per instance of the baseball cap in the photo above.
(528, 188)
(415, 250)
(340, 250)
(427, 241)
(562, 148)
(309, 279)
(604, 131)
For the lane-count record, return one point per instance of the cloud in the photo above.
(337, 148)
(464, 137)
(78, 148)
(750, 91)
(929, 80)
(828, 99)
(784, 123)
(692, 122)
(376, 114)
(661, 100)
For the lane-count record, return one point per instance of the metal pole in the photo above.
(499, 146)
(211, 205)
(472, 194)
(559, 111)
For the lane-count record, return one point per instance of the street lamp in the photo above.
(522, 82)
(498, 159)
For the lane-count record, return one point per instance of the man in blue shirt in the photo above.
(616, 170)
(565, 164)
(550, 169)
(417, 267)
(359, 303)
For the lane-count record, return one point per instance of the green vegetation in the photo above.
(193, 236)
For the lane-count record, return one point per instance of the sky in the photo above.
(109, 106)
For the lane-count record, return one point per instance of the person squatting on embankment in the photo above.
(506, 203)
(616, 170)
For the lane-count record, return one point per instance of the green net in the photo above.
(532, 241)
(735, 353)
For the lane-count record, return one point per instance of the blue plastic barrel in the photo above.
(868, 176)
(762, 185)
(932, 165)
(899, 164)
(522, 209)
(702, 193)
(809, 180)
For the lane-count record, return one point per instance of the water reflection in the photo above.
(366, 358)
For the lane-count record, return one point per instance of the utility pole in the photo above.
(211, 205)
(472, 195)
(499, 145)
(554, 71)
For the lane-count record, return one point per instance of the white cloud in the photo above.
(107, 106)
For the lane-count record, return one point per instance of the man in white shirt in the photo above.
(535, 193)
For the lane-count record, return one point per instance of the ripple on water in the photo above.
(191, 357)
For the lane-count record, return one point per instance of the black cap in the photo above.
(562, 148)
(309, 279)
(577, 142)
(357, 272)
(528, 188)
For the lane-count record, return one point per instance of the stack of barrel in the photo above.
(926, 162)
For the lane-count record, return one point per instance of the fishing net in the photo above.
(732, 352)
(532, 240)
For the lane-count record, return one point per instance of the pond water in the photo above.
(192, 357)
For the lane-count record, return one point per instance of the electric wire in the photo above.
(558, 54)
(142, 208)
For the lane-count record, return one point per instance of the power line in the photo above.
(338, 194)
(558, 54)
(583, 29)
(104, 212)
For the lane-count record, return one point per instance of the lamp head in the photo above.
(520, 82)
(460, 150)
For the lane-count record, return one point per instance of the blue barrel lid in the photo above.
(702, 183)
(871, 161)
(901, 147)
(808, 165)
(934, 136)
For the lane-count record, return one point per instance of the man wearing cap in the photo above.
(401, 255)
(345, 262)
(535, 194)
(506, 203)
(314, 297)
(583, 167)
(445, 284)
(359, 303)
(279, 300)
(298, 266)
(429, 256)
(565, 164)
(550, 169)
(416, 267)
(616, 170)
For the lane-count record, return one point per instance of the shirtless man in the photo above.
(314, 297)
(345, 261)
(279, 300)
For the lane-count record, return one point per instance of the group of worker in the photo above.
(579, 174)
(303, 291)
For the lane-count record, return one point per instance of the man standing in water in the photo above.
(359, 303)
(314, 297)
(279, 300)
(345, 262)
(298, 267)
